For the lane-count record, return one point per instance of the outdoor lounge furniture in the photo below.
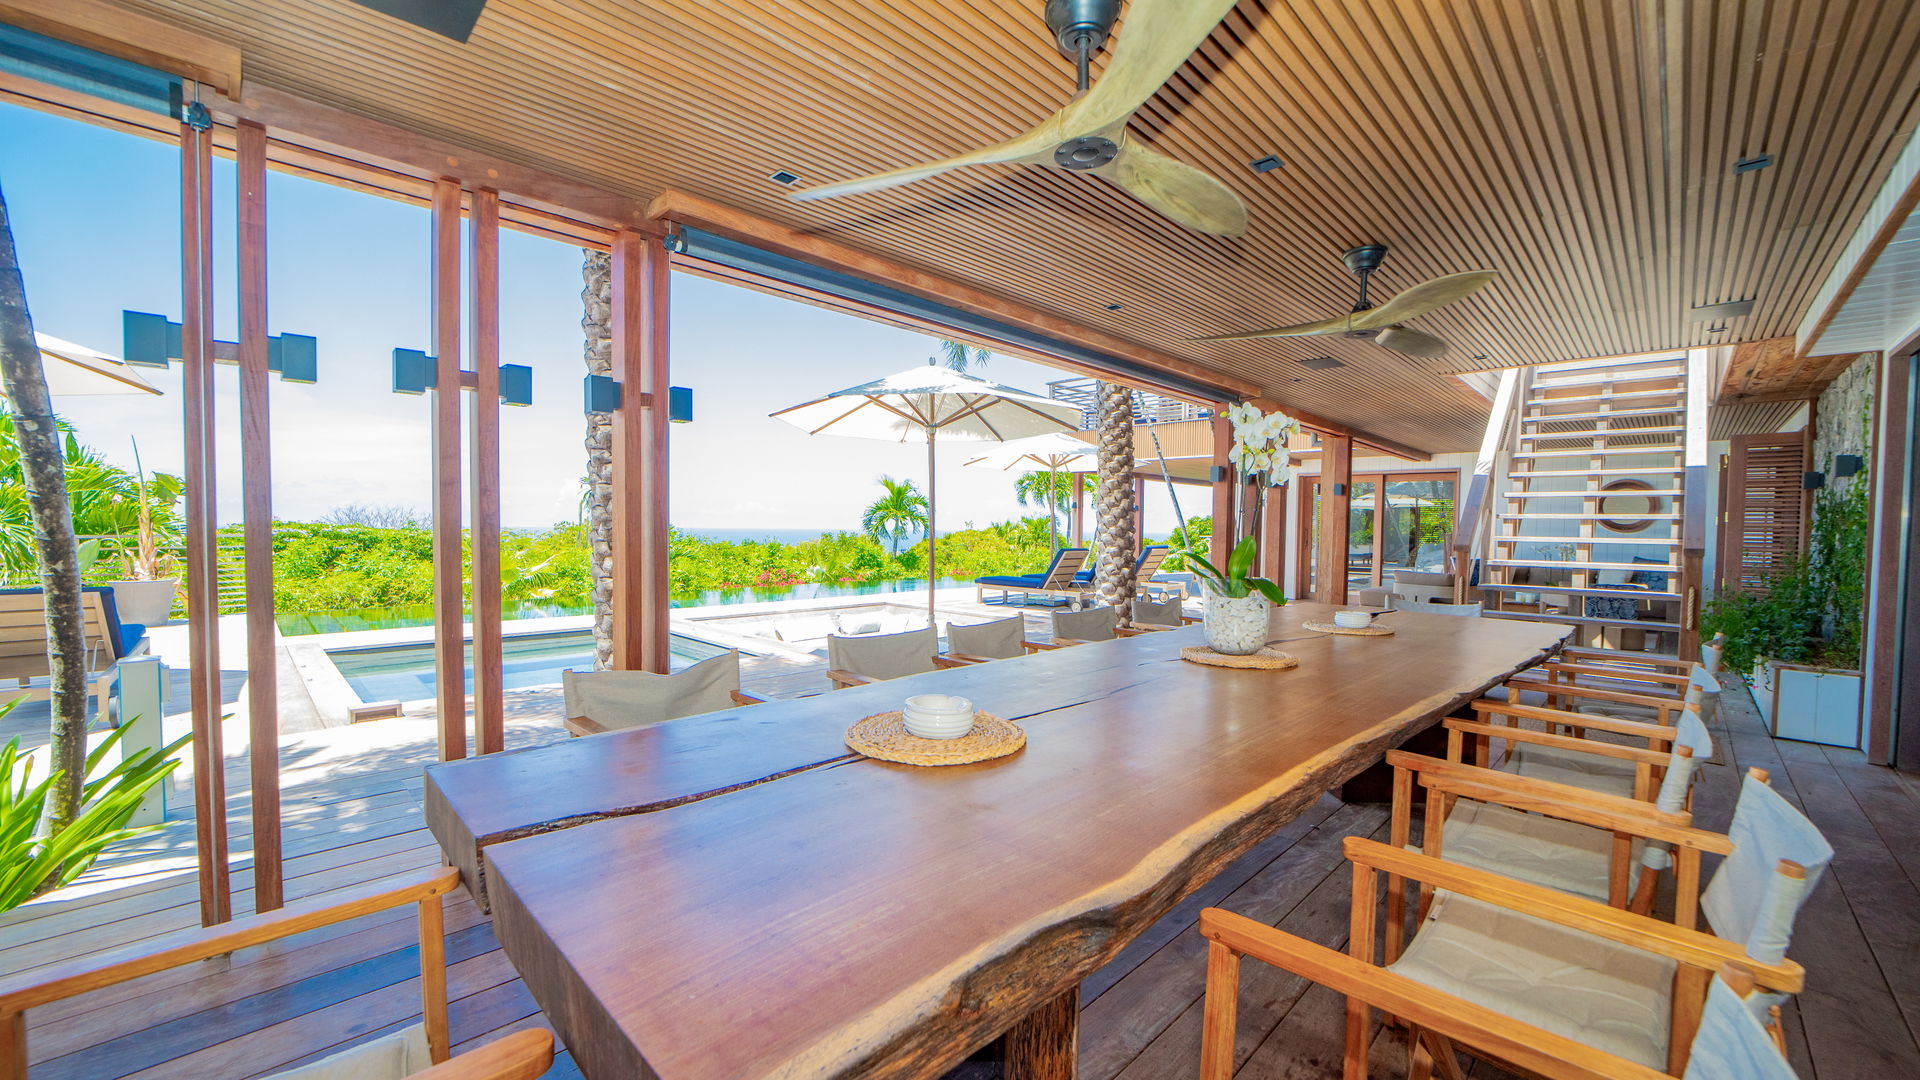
(23, 641)
(1065, 576)
(1159, 614)
(1421, 587)
(600, 701)
(420, 1051)
(855, 661)
(1495, 958)
(1001, 639)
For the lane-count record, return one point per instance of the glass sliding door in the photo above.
(1396, 521)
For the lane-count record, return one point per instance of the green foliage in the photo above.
(1034, 488)
(32, 863)
(891, 517)
(959, 356)
(107, 502)
(1233, 581)
(1811, 611)
(1184, 542)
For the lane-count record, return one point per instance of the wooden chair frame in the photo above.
(521, 1056)
(587, 725)
(1437, 1020)
(1664, 707)
(955, 659)
(1500, 719)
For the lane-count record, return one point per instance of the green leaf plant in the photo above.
(1234, 582)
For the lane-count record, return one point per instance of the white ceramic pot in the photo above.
(148, 603)
(1236, 625)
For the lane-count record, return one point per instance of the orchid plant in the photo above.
(1259, 452)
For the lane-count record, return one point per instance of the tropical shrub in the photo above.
(109, 504)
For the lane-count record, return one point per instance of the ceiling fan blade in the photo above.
(1178, 190)
(1424, 297)
(1339, 324)
(1156, 39)
(1408, 340)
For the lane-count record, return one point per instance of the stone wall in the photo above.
(596, 314)
(1843, 419)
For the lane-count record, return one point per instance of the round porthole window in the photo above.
(1628, 511)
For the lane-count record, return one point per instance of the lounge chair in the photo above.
(1001, 639)
(1066, 575)
(23, 641)
(420, 1051)
(600, 701)
(856, 661)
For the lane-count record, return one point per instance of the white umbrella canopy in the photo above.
(933, 403)
(76, 369)
(1053, 451)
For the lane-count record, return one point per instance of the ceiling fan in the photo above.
(1384, 324)
(1090, 134)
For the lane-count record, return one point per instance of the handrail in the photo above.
(1473, 509)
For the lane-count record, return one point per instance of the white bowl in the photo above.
(941, 725)
(938, 703)
(1353, 620)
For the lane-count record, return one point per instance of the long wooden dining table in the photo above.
(738, 895)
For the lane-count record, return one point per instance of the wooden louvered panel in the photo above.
(1584, 149)
(1766, 509)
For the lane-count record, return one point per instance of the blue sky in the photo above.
(95, 216)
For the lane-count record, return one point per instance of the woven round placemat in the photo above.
(1267, 659)
(885, 736)
(1356, 631)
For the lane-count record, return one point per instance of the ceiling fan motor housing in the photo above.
(1079, 25)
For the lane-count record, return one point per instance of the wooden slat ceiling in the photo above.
(1583, 148)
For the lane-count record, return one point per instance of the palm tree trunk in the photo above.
(1053, 511)
(1114, 502)
(43, 466)
(596, 303)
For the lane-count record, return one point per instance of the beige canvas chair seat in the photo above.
(390, 1057)
(1703, 689)
(600, 701)
(1564, 855)
(1600, 993)
(1611, 776)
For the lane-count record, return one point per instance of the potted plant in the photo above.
(1238, 605)
(145, 595)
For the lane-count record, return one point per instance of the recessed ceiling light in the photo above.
(1732, 309)
(1265, 164)
(1479, 356)
(1114, 307)
(783, 177)
(1322, 363)
(1752, 164)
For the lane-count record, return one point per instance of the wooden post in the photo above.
(1222, 543)
(1045, 1044)
(256, 488)
(1079, 524)
(449, 578)
(1140, 508)
(1890, 473)
(489, 700)
(656, 372)
(626, 328)
(1336, 497)
(1273, 536)
(199, 507)
(1693, 527)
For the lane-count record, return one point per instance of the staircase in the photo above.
(1588, 500)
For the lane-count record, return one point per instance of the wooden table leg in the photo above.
(1046, 1044)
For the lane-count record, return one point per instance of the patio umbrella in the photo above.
(932, 403)
(76, 369)
(1053, 451)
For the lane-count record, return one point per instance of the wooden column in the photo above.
(656, 371)
(1890, 471)
(449, 578)
(199, 508)
(256, 497)
(1336, 497)
(1273, 536)
(1223, 484)
(489, 694)
(639, 331)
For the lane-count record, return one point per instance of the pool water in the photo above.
(405, 672)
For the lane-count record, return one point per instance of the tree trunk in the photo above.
(596, 303)
(1114, 502)
(43, 465)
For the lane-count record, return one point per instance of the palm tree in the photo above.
(959, 356)
(895, 514)
(1046, 489)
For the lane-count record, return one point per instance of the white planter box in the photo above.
(145, 602)
(1809, 704)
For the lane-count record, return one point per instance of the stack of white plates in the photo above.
(938, 716)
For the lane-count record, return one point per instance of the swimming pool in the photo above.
(405, 672)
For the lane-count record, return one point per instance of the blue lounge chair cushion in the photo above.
(1012, 581)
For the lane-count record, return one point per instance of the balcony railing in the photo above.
(1147, 408)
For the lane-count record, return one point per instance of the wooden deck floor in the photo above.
(352, 799)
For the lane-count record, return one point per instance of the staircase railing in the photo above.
(1473, 520)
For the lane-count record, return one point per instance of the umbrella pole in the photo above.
(932, 432)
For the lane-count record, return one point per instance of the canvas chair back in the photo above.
(1066, 563)
(1422, 587)
(1148, 564)
(1732, 1043)
(631, 699)
(1093, 624)
(1465, 611)
(1703, 691)
(1752, 899)
(1156, 613)
(996, 640)
(1712, 653)
(884, 656)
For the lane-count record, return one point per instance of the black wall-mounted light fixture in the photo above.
(1813, 481)
(1847, 464)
